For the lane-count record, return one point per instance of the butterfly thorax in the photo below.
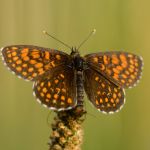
(78, 61)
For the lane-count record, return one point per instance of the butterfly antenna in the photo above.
(90, 34)
(46, 33)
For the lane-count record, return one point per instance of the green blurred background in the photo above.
(120, 24)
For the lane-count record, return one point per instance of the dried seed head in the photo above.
(67, 133)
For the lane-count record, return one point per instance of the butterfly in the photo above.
(59, 79)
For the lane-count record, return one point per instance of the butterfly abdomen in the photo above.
(80, 90)
(78, 65)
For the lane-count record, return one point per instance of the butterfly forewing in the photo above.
(104, 95)
(30, 62)
(124, 69)
(58, 89)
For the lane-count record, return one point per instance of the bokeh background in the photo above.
(120, 25)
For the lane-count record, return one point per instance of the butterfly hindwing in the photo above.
(30, 62)
(104, 95)
(58, 89)
(123, 68)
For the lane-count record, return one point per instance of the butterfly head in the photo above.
(74, 52)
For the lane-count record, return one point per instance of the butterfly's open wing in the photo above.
(30, 62)
(122, 68)
(58, 89)
(104, 95)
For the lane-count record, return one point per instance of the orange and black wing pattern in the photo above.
(57, 90)
(122, 68)
(103, 94)
(30, 62)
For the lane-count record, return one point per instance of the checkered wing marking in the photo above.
(29, 62)
(57, 90)
(122, 68)
(104, 95)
